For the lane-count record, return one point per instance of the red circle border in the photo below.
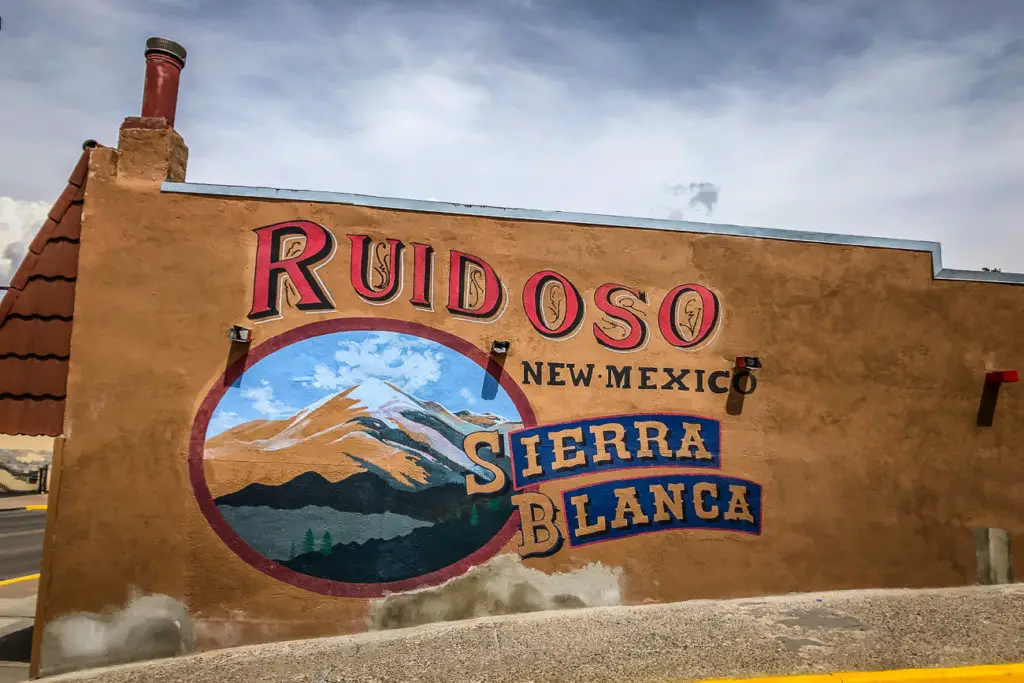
(204, 497)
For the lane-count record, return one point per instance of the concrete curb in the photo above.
(895, 635)
(23, 508)
(996, 673)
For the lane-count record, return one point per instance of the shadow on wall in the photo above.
(501, 586)
(147, 627)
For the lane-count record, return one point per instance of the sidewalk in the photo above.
(20, 502)
(17, 612)
(879, 632)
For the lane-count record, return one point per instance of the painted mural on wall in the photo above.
(338, 456)
(292, 256)
(361, 456)
(624, 506)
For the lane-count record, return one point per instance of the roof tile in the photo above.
(33, 377)
(43, 298)
(34, 336)
(6, 304)
(81, 172)
(43, 236)
(27, 267)
(71, 226)
(31, 418)
(63, 202)
(36, 316)
(57, 259)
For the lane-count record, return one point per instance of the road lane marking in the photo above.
(986, 673)
(26, 508)
(18, 579)
(21, 533)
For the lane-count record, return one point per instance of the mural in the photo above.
(336, 461)
(621, 507)
(290, 254)
(363, 456)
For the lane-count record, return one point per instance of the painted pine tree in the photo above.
(291, 553)
(326, 544)
(474, 516)
(308, 542)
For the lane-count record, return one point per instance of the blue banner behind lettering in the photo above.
(592, 513)
(613, 443)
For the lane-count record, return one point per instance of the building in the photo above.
(299, 414)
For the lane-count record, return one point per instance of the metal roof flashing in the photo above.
(597, 220)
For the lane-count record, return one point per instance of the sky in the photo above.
(308, 371)
(894, 119)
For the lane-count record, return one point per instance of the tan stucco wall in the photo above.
(861, 431)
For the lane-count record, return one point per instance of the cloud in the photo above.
(892, 119)
(264, 403)
(19, 223)
(467, 396)
(222, 421)
(405, 362)
(697, 194)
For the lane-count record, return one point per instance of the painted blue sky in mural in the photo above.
(308, 371)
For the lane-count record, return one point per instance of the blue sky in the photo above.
(298, 375)
(898, 119)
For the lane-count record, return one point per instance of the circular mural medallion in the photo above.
(331, 457)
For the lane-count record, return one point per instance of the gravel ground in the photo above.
(807, 633)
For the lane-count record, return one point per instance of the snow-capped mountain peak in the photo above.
(373, 426)
(376, 395)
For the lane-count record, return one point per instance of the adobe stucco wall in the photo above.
(861, 431)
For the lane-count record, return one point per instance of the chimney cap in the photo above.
(165, 47)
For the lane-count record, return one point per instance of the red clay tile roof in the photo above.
(35, 318)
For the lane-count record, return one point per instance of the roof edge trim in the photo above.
(601, 220)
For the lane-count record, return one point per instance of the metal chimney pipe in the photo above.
(164, 61)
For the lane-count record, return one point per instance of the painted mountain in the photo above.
(381, 495)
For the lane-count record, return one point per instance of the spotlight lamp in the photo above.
(240, 335)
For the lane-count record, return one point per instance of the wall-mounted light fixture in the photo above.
(748, 362)
(240, 335)
(1002, 377)
(500, 347)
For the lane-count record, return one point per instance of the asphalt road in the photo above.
(21, 542)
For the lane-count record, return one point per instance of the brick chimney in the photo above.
(148, 147)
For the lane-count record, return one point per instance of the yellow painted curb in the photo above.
(18, 579)
(35, 507)
(994, 673)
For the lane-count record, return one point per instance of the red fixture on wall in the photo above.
(1002, 377)
(748, 362)
(164, 61)
(990, 394)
